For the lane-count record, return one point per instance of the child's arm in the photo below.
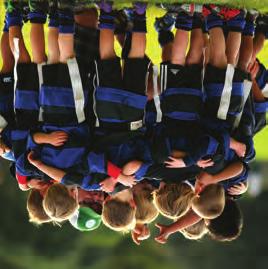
(54, 173)
(204, 179)
(57, 138)
(189, 219)
(58, 174)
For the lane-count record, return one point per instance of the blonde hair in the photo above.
(118, 215)
(210, 202)
(173, 200)
(196, 231)
(35, 208)
(58, 203)
(146, 211)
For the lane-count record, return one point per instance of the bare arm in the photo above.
(52, 172)
(189, 219)
(204, 179)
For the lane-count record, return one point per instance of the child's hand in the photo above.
(57, 138)
(3, 148)
(202, 180)
(238, 189)
(175, 163)
(108, 184)
(141, 232)
(32, 159)
(163, 235)
(128, 181)
(254, 69)
(205, 163)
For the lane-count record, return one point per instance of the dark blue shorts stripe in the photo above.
(184, 91)
(121, 97)
(182, 115)
(27, 100)
(52, 96)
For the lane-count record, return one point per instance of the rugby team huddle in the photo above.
(100, 139)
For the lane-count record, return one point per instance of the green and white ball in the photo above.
(85, 219)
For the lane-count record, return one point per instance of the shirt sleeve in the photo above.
(86, 182)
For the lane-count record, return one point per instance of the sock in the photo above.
(213, 21)
(37, 17)
(165, 37)
(14, 18)
(249, 29)
(139, 23)
(184, 22)
(53, 20)
(236, 24)
(197, 22)
(66, 21)
(106, 20)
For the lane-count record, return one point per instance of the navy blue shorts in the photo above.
(120, 100)
(27, 96)
(181, 87)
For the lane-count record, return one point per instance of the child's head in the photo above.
(173, 200)
(209, 204)
(196, 231)
(146, 211)
(35, 208)
(60, 202)
(119, 211)
(228, 225)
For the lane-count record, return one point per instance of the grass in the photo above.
(153, 49)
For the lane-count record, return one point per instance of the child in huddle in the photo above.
(146, 211)
(174, 200)
(35, 209)
(228, 226)
(192, 217)
(7, 119)
(181, 99)
(60, 202)
(196, 231)
(119, 211)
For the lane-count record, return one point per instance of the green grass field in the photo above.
(153, 49)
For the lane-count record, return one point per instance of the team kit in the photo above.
(95, 138)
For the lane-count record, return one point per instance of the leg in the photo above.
(246, 51)
(37, 38)
(53, 45)
(66, 30)
(217, 56)
(233, 44)
(195, 54)
(6, 53)
(183, 24)
(138, 45)
(107, 44)
(107, 26)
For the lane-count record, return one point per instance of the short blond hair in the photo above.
(209, 204)
(146, 211)
(118, 215)
(35, 209)
(173, 200)
(196, 231)
(58, 203)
